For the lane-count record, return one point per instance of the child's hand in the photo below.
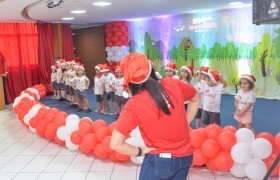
(220, 75)
(86, 89)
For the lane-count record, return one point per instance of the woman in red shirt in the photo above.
(158, 110)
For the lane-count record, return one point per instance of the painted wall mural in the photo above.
(224, 40)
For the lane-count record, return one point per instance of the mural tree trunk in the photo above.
(263, 56)
(235, 83)
(186, 56)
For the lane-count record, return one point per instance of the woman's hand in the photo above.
(147, 150)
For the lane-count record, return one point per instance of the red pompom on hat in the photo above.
(214, 76)
(172, 66)
(104, 68)
(249, 77)
(79, 65)
(54, 66)
(62, 61)
(98, 66)
(204, 70)
(135, 68)
(189, 69)
(117, 69)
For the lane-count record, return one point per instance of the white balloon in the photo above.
(18, 99)
(110, 53)
(72, 117)
(35, 91)
(70, 145)
(32, 129)
(72, 126)
(241, 153)
(137, 135)
(107, 49)
(137, 160)
(27, 118)
(261, 148)
(62, 133)
(31, 113)
(255, 169)
(119, 54)
(132, 141)
(123, 48)
(245, 135)
(109, 59)
(238, 170)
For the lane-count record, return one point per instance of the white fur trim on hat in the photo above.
(80, 67)
(212, 78)
(187, 69)
(170, 69)
(248, 78)
(148, 75)
(97, 67)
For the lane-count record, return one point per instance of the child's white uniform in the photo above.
(98, 84)
(107, 80)
(80, 82)
(197, 86)
(53, 77)
(58, 75)
(117, 83)
(176, 77)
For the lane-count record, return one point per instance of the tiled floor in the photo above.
(25, 155)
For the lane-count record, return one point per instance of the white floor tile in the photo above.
(32, 168)
(7, 176)
(99, 175)
(97, 160)
(63, 159)
(37, 145)
(30, 152)
(125, 166)
(66, 152)
(5, 145)
(74, 175)
(225, 175)
(50, 176)
(84, 158)
(102, 166)
(56, 167)
(42, 159)
(79, 167)
(27, 139)
(21, 159)
(200, 174)
(6, 159)
(49, 152)
(12, 168)
(29, 176)
(121, 175)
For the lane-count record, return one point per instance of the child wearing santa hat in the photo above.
(80, 84)
(171, 70)
(53, 80)
(186, 77)
(244, 100)
(212, 98)
(72, 74)
(97, 88)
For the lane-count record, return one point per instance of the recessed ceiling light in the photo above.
(101, 3)
(78, 11)
(67, 18)
(236, 3)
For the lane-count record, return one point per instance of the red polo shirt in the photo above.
(167, 134)
(2, 61)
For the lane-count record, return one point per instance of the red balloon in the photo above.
(100, 152)
(230, 128)
(121, 157)
(109, 35)
(59, 121)
(108, 25)
(97, 124)
(223, 161)
(114, 29)
(210, 148)
(85, 120)
(109, 44)
(61, 113)
(125, 43)
(227, 140)
(277, 141)
(107, 39)
(210, 164)
(101, 133)
(198, 158)
(111, 64)
(58, 141)
(107, 30)
(197, 138)
(33, 122)
(106, 144)
(113, 157)
(119, 43)
(270, 160)
(268, 137)
(213, 131)
(122, 28)
(117, 24)
(114, 39)
(118, 34)
(49, 119)
(50, 132)
(85, 149)
(75, 137)
(111, 127)
(124, 23)
(53, 110)
(123, 38)
(85, 129)
(41, 128)
(90, 141)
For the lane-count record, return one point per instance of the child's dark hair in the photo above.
(155, 90)
(251, 85)
(189, 78)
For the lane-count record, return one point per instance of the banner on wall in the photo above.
(225, 41)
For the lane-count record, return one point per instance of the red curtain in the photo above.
(67, 42)
(45, 54)
(19, 45)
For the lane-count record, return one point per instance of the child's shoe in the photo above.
(97, 110)
(113, 112)
(54, 97)
(88, 110)
(79, 109)
(103, 111)
(107, 111)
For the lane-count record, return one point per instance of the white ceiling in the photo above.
(120, 10)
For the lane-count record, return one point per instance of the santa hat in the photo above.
(104, 68)
(171, 66)
(214, 76)
(118, 68)
(67, 62)
(54, 66)
(73, 62)
(249, 77)
(79, 65)
(135, 68)
(98, 66)
(62, 62)
(189, 69)
(204, 70)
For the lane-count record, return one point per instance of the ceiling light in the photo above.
(67, 18)
(101, 3)
(78, 11)
(236, 3)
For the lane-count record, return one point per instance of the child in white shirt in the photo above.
(171, 70)
(186, 77)
(53, 80)
(98, 87)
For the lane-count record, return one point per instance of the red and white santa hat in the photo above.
(204, 70)
(80, 66)
(62, 62)
(73, 62)
(118, 68)
(98, 66)
(135, 68)
(171, 66)
(54, 66)
(189, 69)
(151, 61)
(249, 77)
(104, 68)
(214, 76)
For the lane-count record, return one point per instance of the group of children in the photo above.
(70, 84)
(211, 91)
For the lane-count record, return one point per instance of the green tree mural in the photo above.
(234, 79)
(230, 51)
(243, 51)
(276, 42)
(203, 51)
(148, 46)
(216, 51)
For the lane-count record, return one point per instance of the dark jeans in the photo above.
(5, 92)
(155, 167)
